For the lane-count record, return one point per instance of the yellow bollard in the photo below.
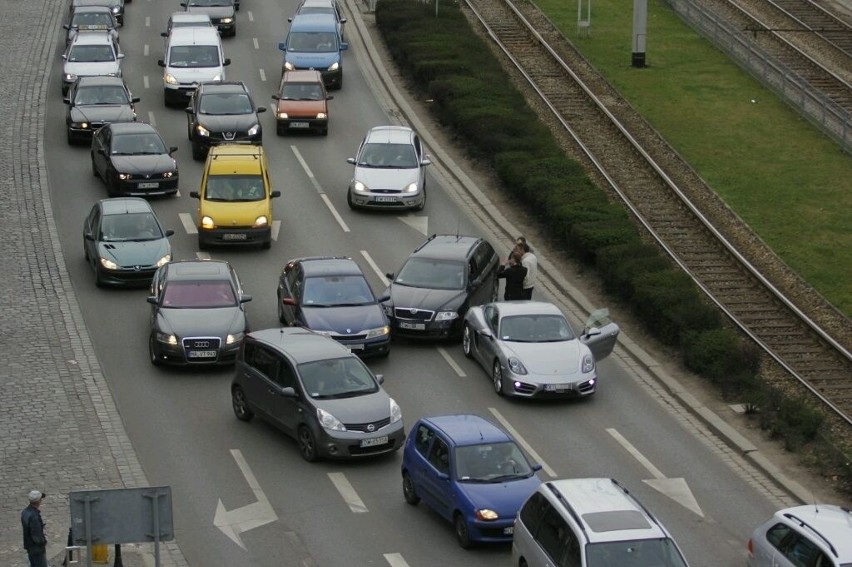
(100, 553)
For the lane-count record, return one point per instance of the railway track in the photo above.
(662, 191)
(822, 22)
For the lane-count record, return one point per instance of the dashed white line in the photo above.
(262, 75)
(203, 255)
(147, 22)
(276, 227)
(655, 472)
(334, 212)
(145, 81)
(375, 266)
(456, 368)
(347, 491)
(395, 560)
(145, 50)
(151, 119)
(256, 44)
(527, 447)
(316, 185)
(250, 16)
(188, 223)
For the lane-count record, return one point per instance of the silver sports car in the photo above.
(531, 350)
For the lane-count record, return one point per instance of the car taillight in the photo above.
(750, 548)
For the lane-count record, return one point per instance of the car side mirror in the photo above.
(88, 235)
(342, 20)
(350, 160)
(288, 392)
(344, 46)
(66, 26)
(183, 4)
(226, 62)
(290, 19)
(170, 232)
(426, 161)
(380, 378)
(591, 332)
(194, 195)
(274, 194)
(188, 110)
(161, 63)
(152, 299)
(135, 99)
(384, 299)
(282, 46)
(172, 149)
(120, 56)
(276, 97)
(443, 476)
(245, 298)
(66, 100)
(329, 97)
(64, 57)
(390, 275)
(164, 34)
(261, 109)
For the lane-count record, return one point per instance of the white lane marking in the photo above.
(202, 255)
(188, 223)
(375, 266)
(316, 185)
(145, 50)
(256, 44)
(250, 16)
(151, 119)
(145, 81)
(276, 226)
(347, 491)
(147, 23)
(395, 560)
(418, 223)
(262, 75)
(177, 194)
(334, 212)
(273, 106)
(451, 362)
(655, 472)
(233, 522)
(527, 447)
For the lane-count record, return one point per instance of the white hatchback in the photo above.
(814, 535)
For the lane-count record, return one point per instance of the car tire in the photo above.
(467, 341)
(307, 444)
(70, 138)
(408, 491)
(201, 244)
(152, 351)
(324, 132)
(197, 152)
(99, 281)
(111, 190)
(189, 130)
(280, 130)
(95, 169)
(267, 244)
(422, 204)
(462, 531)
(240, 404)
(349, 200)
(497, 377)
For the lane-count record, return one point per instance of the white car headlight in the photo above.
(360, 187)
(108, 264)
(116, 9)
(322, 115)
(168, 174)
(380, 332)
(164, 260)
(516, 366)
(588, 363)
(234, 338)
(202, 131)
(487, 515)
(219, 77)
(410, 188)
(334, 66)
(289, 66)
(254, 130)
(124, 176)
(170, 79)
(395, 412)
(446, 316)
(282, 115)
(207, 222)
(70, 77)
(227, 20)
(166, 338)
(261, 221)
(328, 421)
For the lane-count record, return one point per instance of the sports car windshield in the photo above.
(91, 54)
(432, 274)
(638, 553)
(138, 144)
(337, 378)
(336, 291)
(491, 462)
(390, 156)
(231, 188)
(194, 56)
(198, 295)
(535, 329)
(131, 227)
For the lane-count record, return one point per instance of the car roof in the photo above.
(467, 429)
(832, 522)
(302, 345)
(131, 128)
(75, 3)
(190, 17)
(100, 80)
(446, 246)
(509, 308)
(93, 37)
(91, 8)
(606, 510)
(302, 76)
(125, 205)
(198, 270)
(318, 4)
(329, 266)
(390, 135)
(224, 87)
(194, 35)
(314, 22)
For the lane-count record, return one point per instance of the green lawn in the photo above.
(790, 183)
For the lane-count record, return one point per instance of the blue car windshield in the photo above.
(312, 42)
(491, 462)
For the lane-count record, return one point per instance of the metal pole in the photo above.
(640, 32)
(88, 507)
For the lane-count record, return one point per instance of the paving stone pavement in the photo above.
(59, 428)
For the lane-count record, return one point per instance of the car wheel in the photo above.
(497, 377)
(408, 490)
(99, 281)
(462, 532)
(349, 200)
(240, 404)
(267, 244)
(152, 351)
(70, 138)
(94, 169)
(307, 445)
(422, 204)
(189, 130)
(197, 152)
(112, 190)
(201, 244)
(324, 132)
(467, 338)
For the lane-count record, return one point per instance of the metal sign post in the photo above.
(584, 24)
(640, 32)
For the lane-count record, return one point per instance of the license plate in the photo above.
(374, 441)
(385, 199)
(202, 354)
(238, 236)
(557, 387)
(509, 531)
(412, 326)
(148, 185)
(355, 347)
(299, 125)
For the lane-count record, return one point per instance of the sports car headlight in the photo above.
(395, 412)
(164, 260)
(334, 66)
(328, 421)
(207, 222)
(487, 515)
(380, 332)
(124, 176)
(360, 187)
(282, 115)
(321, 115)
(254, 130)
(166, 338)
(69, 77)
(234, 338)
(261, 221)
(169, 79)
(410, 188)
(588, 363)
(227, 20)
(202, 131)
(108, 264)
(516, 366)
(446, 316)
(289, 66)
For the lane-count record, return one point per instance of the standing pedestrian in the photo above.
(514, 273)
(35, 541)
(530, 262)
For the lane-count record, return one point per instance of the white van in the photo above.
(193, 55)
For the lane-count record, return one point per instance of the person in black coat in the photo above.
(514, 273)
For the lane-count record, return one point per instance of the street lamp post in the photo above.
(640, 32)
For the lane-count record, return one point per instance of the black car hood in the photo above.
(129, 254)
(143, 164)
(229, 122)
(202, 322)
(344, 320)
(423, 298)
(102, 113)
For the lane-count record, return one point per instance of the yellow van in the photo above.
(235, 200)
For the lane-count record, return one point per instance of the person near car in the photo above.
(514, 273)
(35, 541)
(530, 262)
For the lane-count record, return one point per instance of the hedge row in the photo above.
(452, 66)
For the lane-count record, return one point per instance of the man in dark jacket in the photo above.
(514, 273)
(35, 541)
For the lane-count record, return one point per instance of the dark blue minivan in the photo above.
(314, 43)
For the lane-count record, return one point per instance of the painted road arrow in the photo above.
(674, 488)
(239, 520)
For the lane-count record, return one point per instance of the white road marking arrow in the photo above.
(234, 522)
(674, 488)
(418, 223)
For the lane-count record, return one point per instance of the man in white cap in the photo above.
(35, 541)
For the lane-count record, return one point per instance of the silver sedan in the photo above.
(531, 351)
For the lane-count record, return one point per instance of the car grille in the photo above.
(524, 389)
(386, 191)
(201, 344)
(363, 427)
(147, 177)
(358, 450)
(348, 338)
(586, 387)
(413, 314)
(231, 136)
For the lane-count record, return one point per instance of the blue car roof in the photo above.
(313, 22)
(467, 429)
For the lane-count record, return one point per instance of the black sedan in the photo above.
(222, 113)
(95, 101)
(132, 159)
(198, 313)
(124, 241)
(331, 296)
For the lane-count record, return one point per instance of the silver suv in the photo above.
(590, 522)
(91, 53)
(814, 535)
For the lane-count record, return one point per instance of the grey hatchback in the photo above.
(315, 390)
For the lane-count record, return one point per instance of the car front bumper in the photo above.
(217, 138)
(387, 200)
(149, 187)
(184, 353)
(231, 236)
(132, 276)
(426, 329)
(349, 444)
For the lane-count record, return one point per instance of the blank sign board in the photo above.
(122, 515)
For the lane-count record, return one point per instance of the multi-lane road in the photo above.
(330, 513)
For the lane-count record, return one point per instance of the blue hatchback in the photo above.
(469, 471)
